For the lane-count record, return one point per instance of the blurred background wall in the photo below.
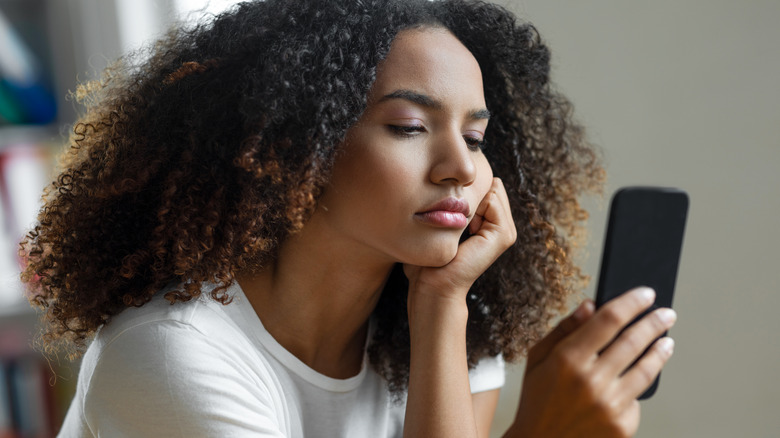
(676, 93)
(686, 94)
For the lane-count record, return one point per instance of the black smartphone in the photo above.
(642, 246)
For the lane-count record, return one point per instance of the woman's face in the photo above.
(411, 172)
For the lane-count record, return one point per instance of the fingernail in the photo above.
(667, 316)
(646, 294)
(666, 345)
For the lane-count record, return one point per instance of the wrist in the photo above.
(438, 329)
(435, 307)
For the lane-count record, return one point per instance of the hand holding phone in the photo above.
(579, 379)
(642, 246)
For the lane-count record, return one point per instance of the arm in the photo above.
(439, 402)
(439, 399)
(443, 379)
(485, 404)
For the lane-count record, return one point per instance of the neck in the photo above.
(317, 297)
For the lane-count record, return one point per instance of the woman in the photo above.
(356, 211)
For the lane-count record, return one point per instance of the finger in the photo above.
(564, 328)
(479, 215)
(609, 320)
(411, 271)
(635, 340)
(496, 233)
(639, 377)
(628, 421)
(503, 212)
(492, 222)
(494, 215)
(476, 222)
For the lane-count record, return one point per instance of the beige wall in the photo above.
(687, 94)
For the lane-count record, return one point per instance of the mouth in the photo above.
(447, 213)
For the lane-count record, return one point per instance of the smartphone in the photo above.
(642, 246)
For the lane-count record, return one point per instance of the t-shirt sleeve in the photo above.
(168, 379)
(488, 374)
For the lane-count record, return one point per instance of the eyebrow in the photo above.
(427, 101)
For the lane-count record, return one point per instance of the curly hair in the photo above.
(199, 161)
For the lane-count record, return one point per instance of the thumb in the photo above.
(564, 328)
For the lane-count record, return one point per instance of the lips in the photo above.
(447, 213)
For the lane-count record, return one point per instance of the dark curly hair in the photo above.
(198, 161)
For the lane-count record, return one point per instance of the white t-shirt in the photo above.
(201, 368)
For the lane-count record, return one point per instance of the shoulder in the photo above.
(184, 369)
(192, 315)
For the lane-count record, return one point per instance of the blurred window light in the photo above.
(140, 22)
(143, 21)
(193, 10)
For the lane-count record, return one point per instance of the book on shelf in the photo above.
(30, 406)
(31, 397)
(6, 415)
(28, 400)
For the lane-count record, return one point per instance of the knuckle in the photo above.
(647, 371)
(510, 239)
(612, 316)
(606, 407)
(621, 431)
(634, 342)
(592, 389)
(652, 324)
(625, 423)
(610, 414)
(564, 363)
(576, 376)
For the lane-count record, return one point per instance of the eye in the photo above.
(474, 143)
(406, 130)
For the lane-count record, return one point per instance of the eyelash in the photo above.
(406, 131)
(473, 144)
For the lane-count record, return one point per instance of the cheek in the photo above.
(378, 172)
(484, 178)
(375, 171)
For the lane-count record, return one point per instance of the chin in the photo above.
(436, 257)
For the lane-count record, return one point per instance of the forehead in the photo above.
(431, 61)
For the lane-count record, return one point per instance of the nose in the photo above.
(453, 162)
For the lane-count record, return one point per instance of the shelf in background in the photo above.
(28, 134)
(12, 300)
(19, 308)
